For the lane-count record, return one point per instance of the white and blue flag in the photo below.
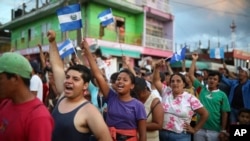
(106, 17)
(66, 48)
(217, 53)
(70, 17)
(178, 56)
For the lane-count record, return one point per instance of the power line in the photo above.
(211, 9)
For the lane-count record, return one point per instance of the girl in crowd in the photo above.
(126, 116)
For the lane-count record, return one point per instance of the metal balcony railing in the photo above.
(161, 5)
(158, 42)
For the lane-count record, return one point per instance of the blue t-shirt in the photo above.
(124, 115)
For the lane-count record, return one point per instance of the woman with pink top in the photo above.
(179, 107)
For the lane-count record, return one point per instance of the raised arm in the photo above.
(126, 63)
(42, 57)
(169, 69)
(183, 66)
(230, 74)
(192, 67)
(56, 62)
(156, 75)
(104, 87)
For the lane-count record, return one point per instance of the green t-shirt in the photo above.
(215, 102)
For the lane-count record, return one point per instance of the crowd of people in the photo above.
(51, 101)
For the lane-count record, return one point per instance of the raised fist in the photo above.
(51, 35)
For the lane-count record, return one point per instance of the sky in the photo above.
(199, 20)
(195, 21)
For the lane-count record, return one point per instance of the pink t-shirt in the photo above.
(178, 110)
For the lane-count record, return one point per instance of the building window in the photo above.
(31, 34)
(22, 36)
(120, 26)
(45, 28)
(154, 27)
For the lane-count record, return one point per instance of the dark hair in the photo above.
(26, 81)
(113, 77)
(35, 67)
(141, 85)
(244, 110)
(162, 76)
(131, 75)
(215, 73)
(183, 78)
(86, 74)
(166, 73)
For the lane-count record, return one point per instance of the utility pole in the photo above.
(218, 38)
(233, 27)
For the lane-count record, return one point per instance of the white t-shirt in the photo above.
(36, 84)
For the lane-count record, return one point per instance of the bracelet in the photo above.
(223, 131)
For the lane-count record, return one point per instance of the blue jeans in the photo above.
(233, 115)
(166, 135)
(206, 135)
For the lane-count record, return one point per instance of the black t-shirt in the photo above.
(237, 101)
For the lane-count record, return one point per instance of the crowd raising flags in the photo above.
(70, 18)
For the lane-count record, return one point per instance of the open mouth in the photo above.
(68, 89)
(119, 87)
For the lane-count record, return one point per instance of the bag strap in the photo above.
(153, 108)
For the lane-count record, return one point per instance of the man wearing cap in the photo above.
(23, 117)
(239, 95)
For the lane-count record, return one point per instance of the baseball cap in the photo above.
(12, 62)
(199, 73)
(137, 70)
(244, 69)
(140, 84)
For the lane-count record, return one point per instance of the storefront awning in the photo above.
(119, 52)
(200, 65)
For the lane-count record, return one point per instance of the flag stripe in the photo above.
(107, 22)
(69, 9)
(71, 26)
(68, 17)
(105, 17)
(217, 53)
